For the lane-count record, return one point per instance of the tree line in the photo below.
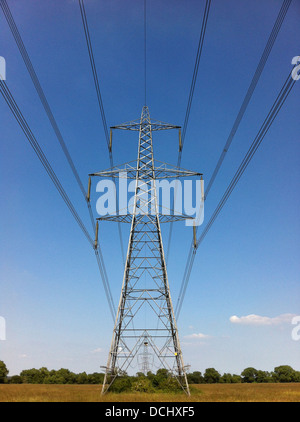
(283, 373)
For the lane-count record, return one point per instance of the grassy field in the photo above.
(199, 393)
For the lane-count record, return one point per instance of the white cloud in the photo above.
(197, 336)
(98, 350)
(253, 319)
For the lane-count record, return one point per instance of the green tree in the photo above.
(82, 378)
(121, 384)
(54, 378)
(95, 378)
(35, 376)
(31, 376)
(297, 376)
(263, 376)
(211, 376)
(249, 374)
(285, 373)
(3, 372)
(226, 378)
(43, 374)
(66, 375)
(140, 374)
(195, 378)
(162, 373)
(236, 379)
(15, 379)
(169, 384)
(143, 385)
(150, 376)
(160, 377)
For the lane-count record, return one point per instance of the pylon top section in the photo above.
(146, 170)
(159, 169)
(145, 120)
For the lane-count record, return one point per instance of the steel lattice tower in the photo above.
(145, 313)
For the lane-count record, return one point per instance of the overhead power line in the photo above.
(252, 86)
(254, 81)
(20, 44)
(260, 67)
(39, 89)
(194, 78)
(8, 97)
(145, 51)
(94, 71)
(278, 103)
(40, 154)
(99, 98)
(190, 99)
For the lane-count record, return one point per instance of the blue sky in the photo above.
(52, 297)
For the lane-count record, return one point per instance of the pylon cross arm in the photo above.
(138, 125)
(161, 171)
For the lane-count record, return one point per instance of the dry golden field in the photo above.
(280, 392)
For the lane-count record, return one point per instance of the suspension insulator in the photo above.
(202, 188)
(194, 236)
(88, 196)
(110, 140)
(180, 143)
(96, 236)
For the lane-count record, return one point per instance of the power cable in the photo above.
(40, 154)
(46, 106)
(260, 67)
(40, 92)
(100, 102)
(194, 78)
(278, 103)
(190, 99)
(255, 79)
(8, 97)
(145, 51)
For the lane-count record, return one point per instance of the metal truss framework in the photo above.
(145, 330)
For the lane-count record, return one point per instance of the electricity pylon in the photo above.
(145, 359)
(145, 314)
